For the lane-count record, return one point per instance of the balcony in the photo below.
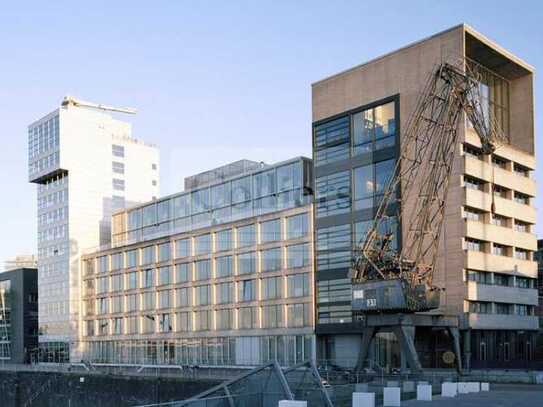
(501, 322)
(500, 234)
(505, 207)
(510, 295)
(500, 264)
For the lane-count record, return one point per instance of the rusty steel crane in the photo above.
(386, 279)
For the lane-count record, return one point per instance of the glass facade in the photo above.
(354, 156)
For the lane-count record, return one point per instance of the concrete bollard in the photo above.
(463, 388)
(424, 392)
(363, 399)
(393, 383)
(292, 403)
(391, 397)
(449, 389)
(474, 387)
(361, 387)
(408, 386)
(485, 386)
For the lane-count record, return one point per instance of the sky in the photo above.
(213, 81)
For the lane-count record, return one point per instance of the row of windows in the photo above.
(53, 216)
(271, 260)
(43, 137)
(296, 227)
(51, 160)
(505, 280)
(360, 133)
(483, 307)
(497, 161)
(53, 183)
(274, 316)
(496, 249)
(333, 192)
(52, 199)
(292, 286)
(477, 184)
(495, 219)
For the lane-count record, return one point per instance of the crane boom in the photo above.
(71, 101)
(386, 278)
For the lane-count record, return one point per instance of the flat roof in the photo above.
(463, 26)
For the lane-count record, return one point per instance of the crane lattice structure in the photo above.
(416, 192)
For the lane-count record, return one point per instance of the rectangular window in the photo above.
(132, 325)
(473, 183)
(223, 240)
(272, 316)
(473, 214)
(164, 252)
(223, 266)
(522, 198)
(333, 194)
(183, 272)
(298, 285)
(117, 167)
(502, 279)
(103, 264)
(481, 277)
(333, 246)
(132, 258)
(246, 235)
(117, 282)
(149, 215)
(298, 255)
(203, 244)
(163, 210)
(521, 170)
(270, 231)
(331, 141)
(149, 299)
(132, 280)
(248, 318)
(116, 261)
(164, 299)
(272, 288)
(522, 226)
(502, 308)
(203, 270)
(148, 255)
(132, 302)
(165, 275)
(200, 201)
(181, 206)
(474, 245)
(271, 259)
(521, 254)
(184, 321)
(117, 326)
(148, 324)
(498, 250)
(165, 323)
(523, 282)
(246, 290)
(225, 293)
(246, 263)
(374, 129)
(116, 304)
(148, 279)
(182, 248)
(118, 184)
(225, 319)
(298, 315)
(479, 307)
(202, 295)
(183, 297)
(118, 151)
(297, 226)
(203, 320)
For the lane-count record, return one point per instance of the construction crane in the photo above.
(386, 279)
(71, 101)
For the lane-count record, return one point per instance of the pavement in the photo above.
(500, 395)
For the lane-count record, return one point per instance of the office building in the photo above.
(18, 315)
(85, 164)
(219, 275)
(486, 255)
(21, 261)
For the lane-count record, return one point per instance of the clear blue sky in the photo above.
(213, 81)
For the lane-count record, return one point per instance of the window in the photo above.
(272, 316)
(132, 280)
(116, 261)
(474, 245)
(247, 290)
(271, 259)
(333, 247)
(184, 321)
(148, 255)
(333, 194)
(183, 273)
(203, 320)
(148, 278)
(523, 310)
(522, 198)
(521, 254)
(149, 215)
(132, 303)
(498, 250)
(473, 183)
(202, 295)
(117, 151)
(225, 319)
(298, 315)
(102, 306)
(182, 248)
(298, 255)
(500, 191)
(479, 307)
(103, 327)
(298, 285)
(164, 299)
(523, 282)
(502, 279)
(297, 226)
(200, 201)
(132, 258)
(116, 304)
(225, 293)
(164, 275)
(117, 167)
(118, 184)
(148, 301)
(117, 282)
(181, 206)
(165, 323)
(148, 323)
(374, 129)
(499, 162)
(223, 240)
(220, 195)
(183, 297)
(248, 318)
(521, 170)
(270, 231)
(203, 270)
(241, 198)
(473, 152)
(502, 308)
(223, 266)
(246, 235)
(153, 166)
(163, 210)
(132, 325)
(522, 226)
(331, 141)
(203, 244)
(473, 214)
(103, 264)
(272, 288)
(481, 277)
(498, 220)
(89, 266)
(164, 252)
(246, 263)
